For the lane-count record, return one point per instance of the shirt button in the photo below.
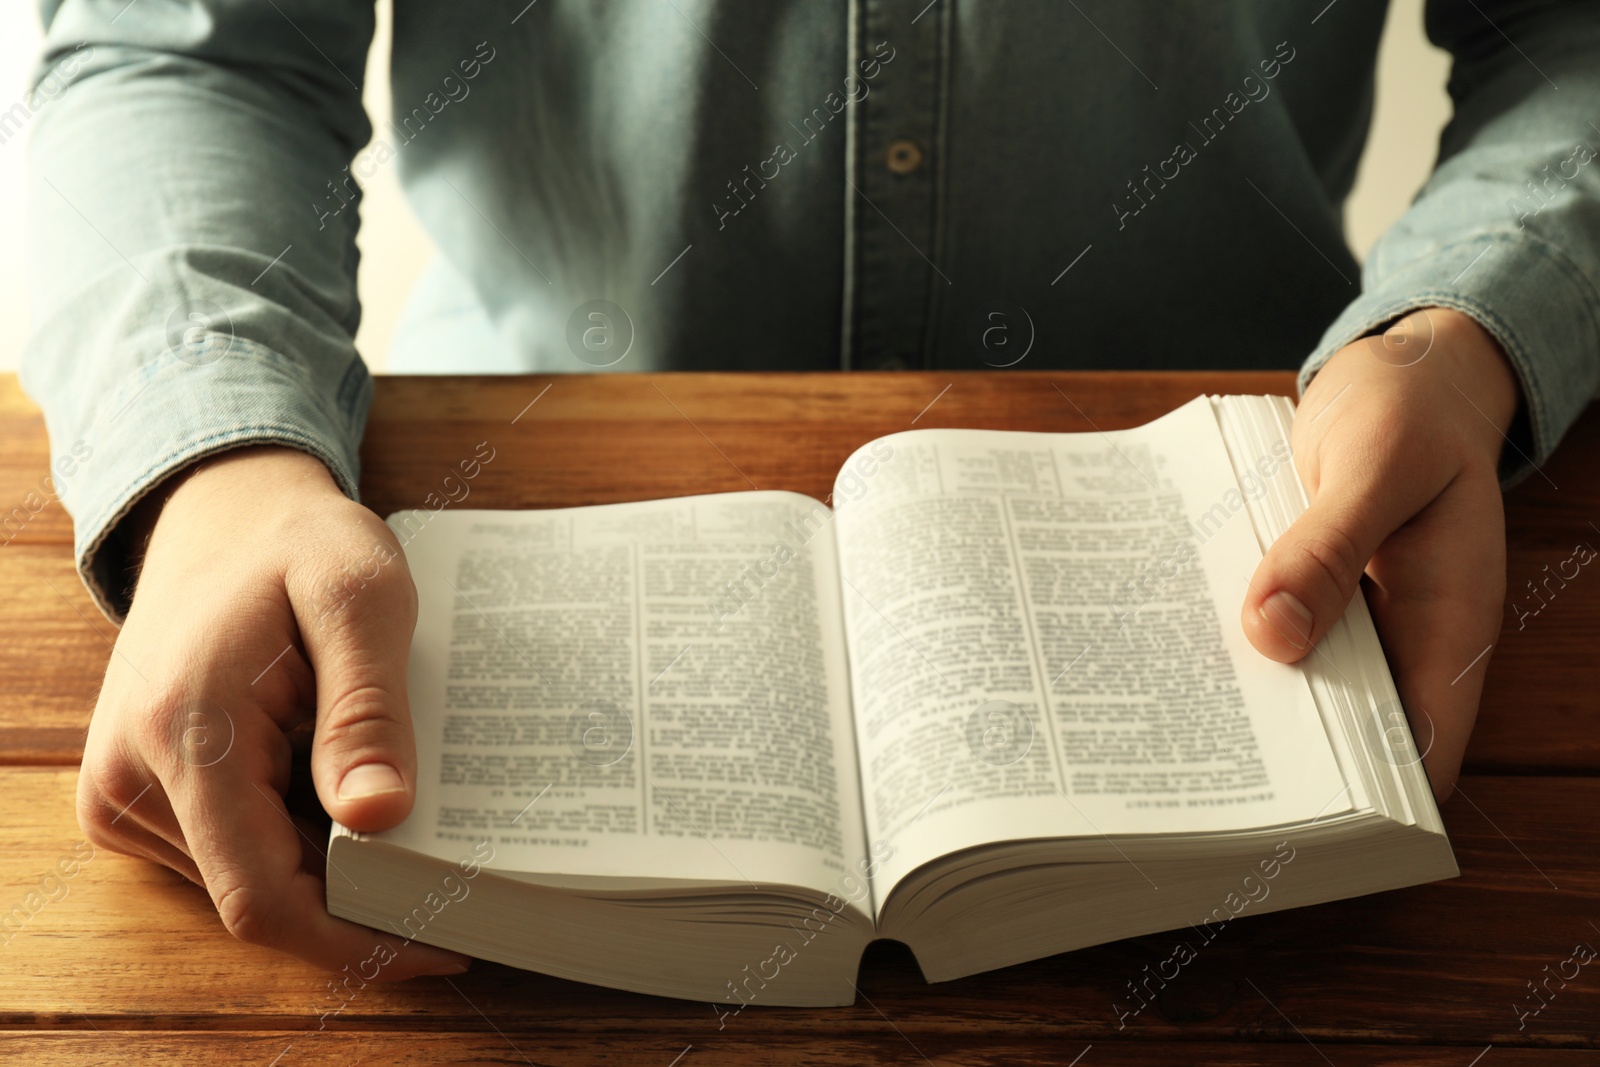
(903, 157)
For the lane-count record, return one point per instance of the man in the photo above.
(787, 185)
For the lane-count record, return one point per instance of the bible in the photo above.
(991, 699)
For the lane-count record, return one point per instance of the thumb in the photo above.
(1306, 579)
(364, 755)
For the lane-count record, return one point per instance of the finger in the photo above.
(157, 842)
(215, 730)
(363, 758)
(253, 860)
(1439, 613)
(140, 825)
(137, 840)
(159, 816)
(115, 826)
(1306, 579)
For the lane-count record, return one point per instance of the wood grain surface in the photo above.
(132, 966)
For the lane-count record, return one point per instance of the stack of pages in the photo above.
(994, 703)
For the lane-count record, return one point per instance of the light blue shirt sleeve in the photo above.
(1507, 229)
(185, 297)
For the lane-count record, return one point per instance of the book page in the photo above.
(643, 691)
(1044, 643)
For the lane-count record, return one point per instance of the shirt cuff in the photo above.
(1528, 295)
(170, 413)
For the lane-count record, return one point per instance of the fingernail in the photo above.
(1289, 617)
(448, 969)
(369, 780)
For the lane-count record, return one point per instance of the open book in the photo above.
(995, 703)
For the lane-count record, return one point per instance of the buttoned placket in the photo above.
(894, 165)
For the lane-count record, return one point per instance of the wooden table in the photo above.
(133, 966)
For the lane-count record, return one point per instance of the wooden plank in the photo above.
(597, 438)
(25, 487)
(824, 415)
(131, 945)
(1560, 500)
(697, 1049)
(54, 644)
(591, 439)
(1539, 711)
(419, 425)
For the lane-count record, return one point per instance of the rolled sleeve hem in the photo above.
(171, 414)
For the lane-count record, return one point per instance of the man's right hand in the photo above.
(266, 598)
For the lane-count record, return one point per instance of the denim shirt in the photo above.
(785, 185)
